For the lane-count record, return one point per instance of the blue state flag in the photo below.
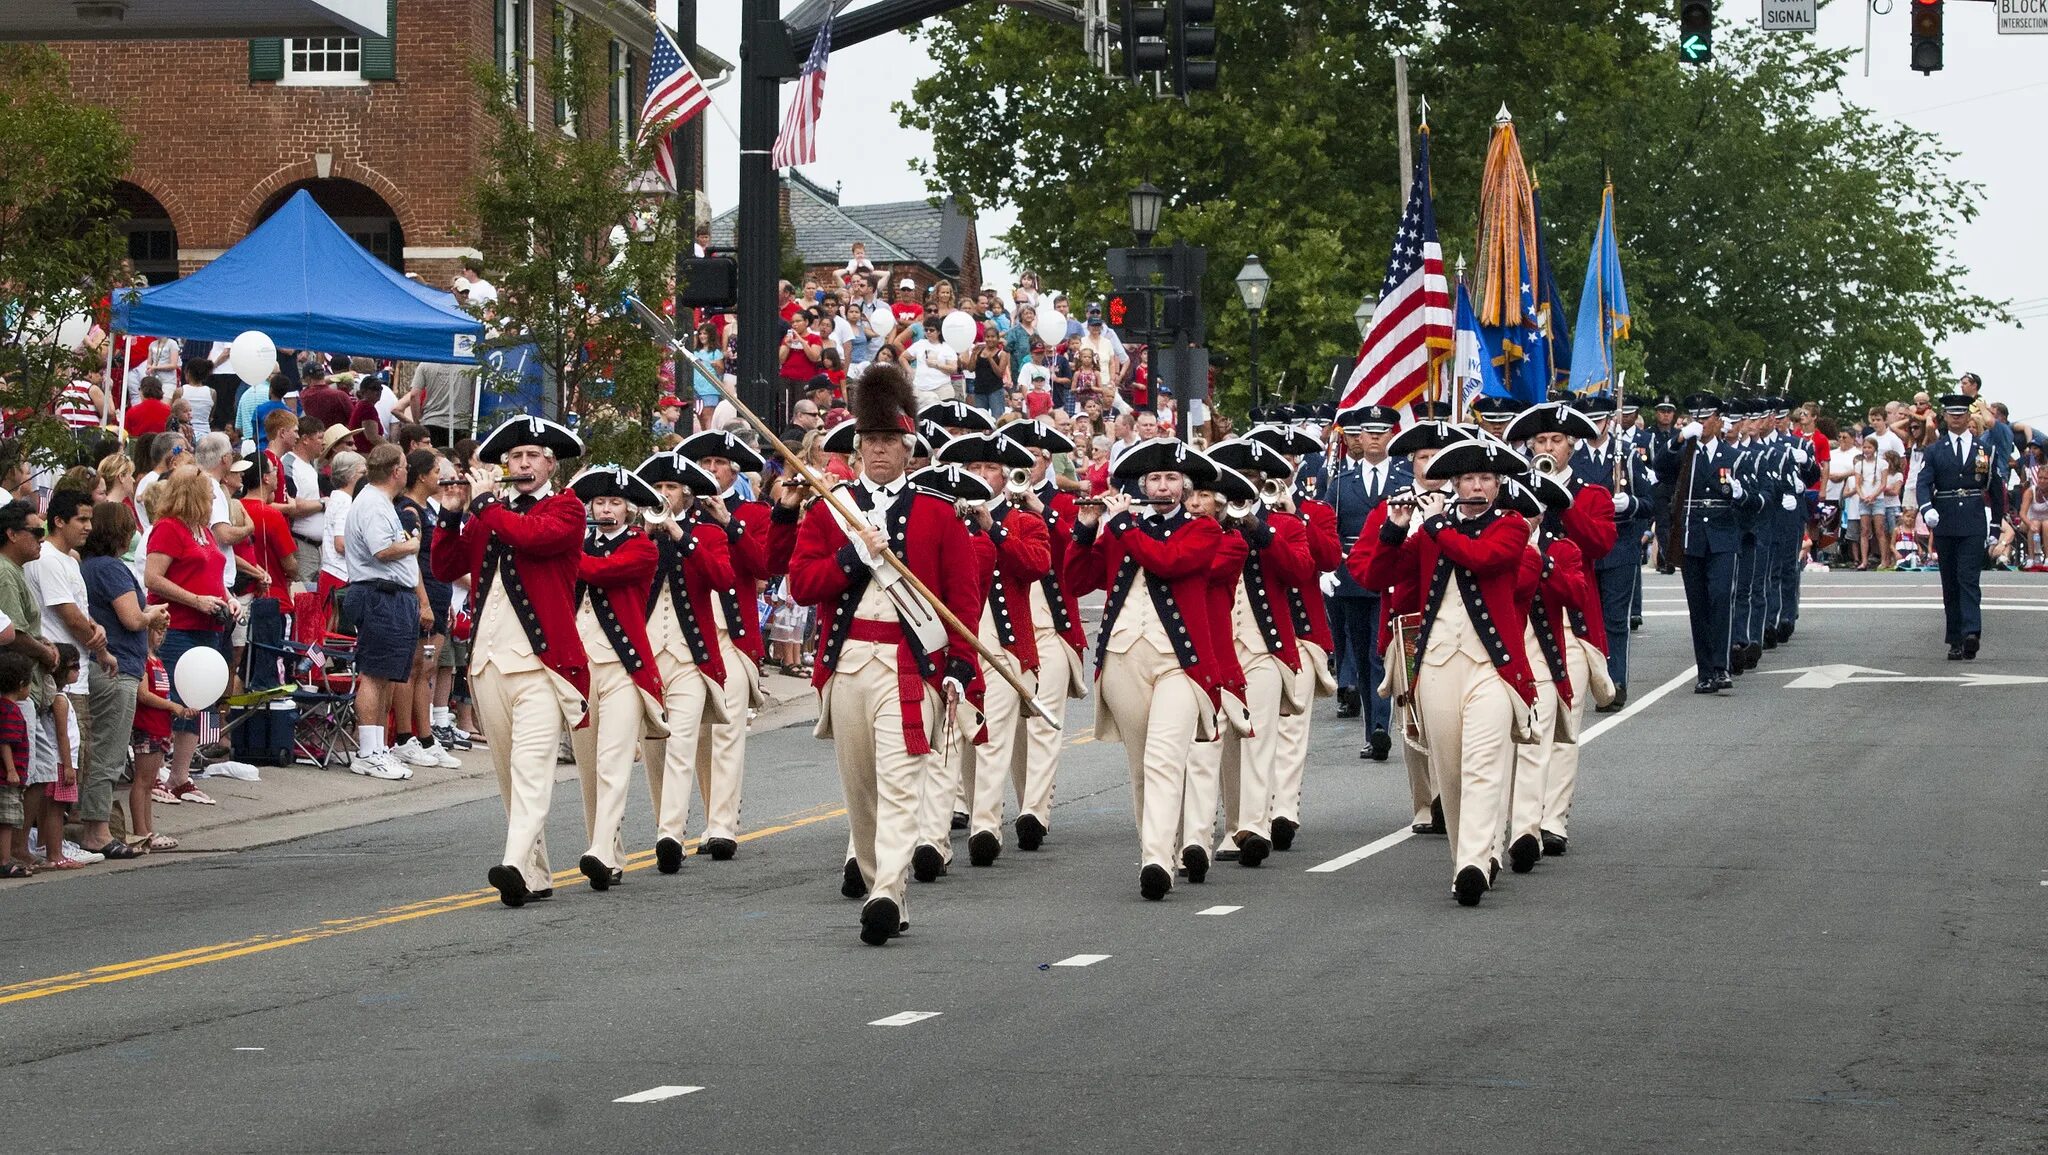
(1603, 308)
(1548, 300)
(1473, 371)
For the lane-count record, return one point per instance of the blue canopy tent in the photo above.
(300, 280)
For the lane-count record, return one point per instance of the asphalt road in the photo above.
(1793, 917)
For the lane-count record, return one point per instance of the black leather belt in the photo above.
(312, 541)
(1941, 493)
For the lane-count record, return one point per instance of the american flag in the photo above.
(674, 96)
(798, 143)
(1412, 322)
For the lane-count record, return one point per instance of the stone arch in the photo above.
(365, 215)
(254, 205)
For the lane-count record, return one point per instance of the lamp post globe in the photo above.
(1146, 201)
(1363, 316)
(1252, 283)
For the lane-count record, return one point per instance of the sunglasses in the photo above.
(36, 530)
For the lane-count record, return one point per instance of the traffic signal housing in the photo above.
(1143, 32)
(1129, 312)
(1926, 36)
(1194, 46)
(1695, 31)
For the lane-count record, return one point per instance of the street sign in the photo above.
(1828, 677)
(2022, 17)
(1796, 15)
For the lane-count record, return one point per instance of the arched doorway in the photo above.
(360, 212)
(152, 236)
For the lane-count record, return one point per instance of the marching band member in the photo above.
(1612, 463)
(1800, 469)
(1023, 552)
(1359, 480)
(1474, 685)
(1494, 413)
(886, 677)
(1955, 472)
(1059, 640)
(625, 699)
(1310, 619)
(1222, 676)
(1706, 493)
(1419, 444)
(1153, 559)
(1560, 599)
(1747, 614)
(694, 655)
(758, 541)
(519, 544)
(1262, 635)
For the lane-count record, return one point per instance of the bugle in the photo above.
(1020, 482)
(1273, 491)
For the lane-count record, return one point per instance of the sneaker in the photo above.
(380, 765)
(442, 757)
(444, 737)
(77, 853)
(412, 753)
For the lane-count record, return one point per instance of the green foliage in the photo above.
(558, 214)
(59, 250)
(1761, 215)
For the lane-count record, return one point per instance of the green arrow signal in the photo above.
(1694, 47)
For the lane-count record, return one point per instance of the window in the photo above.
(323, 60)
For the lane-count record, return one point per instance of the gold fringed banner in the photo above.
(1507, 229)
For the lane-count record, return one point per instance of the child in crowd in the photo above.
(150, 744)
(14, 675)
(63, 793)
(669, 413)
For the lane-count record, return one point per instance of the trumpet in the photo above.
(1544, 463)
(1273, 491)
(1020, 482)
(1240, 511)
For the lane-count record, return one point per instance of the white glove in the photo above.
(1932, 517)
(1328, 583)
(1735, 488)
(1624, 504)
(1691, 432)
(1789, 501)
(1800, 456)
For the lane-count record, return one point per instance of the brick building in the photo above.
(385, 132)
(925, 241)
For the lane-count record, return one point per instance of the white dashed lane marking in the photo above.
(1229, 909)
(905, 1018)
(1081, 960)
(655, 1094)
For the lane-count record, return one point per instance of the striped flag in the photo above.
(798, 143)
(1412, 322)
(674, 96)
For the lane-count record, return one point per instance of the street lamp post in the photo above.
(1252, 284)
(1362, 316)
(1146, 201)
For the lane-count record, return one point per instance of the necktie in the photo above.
(1372, 482)
(524, 503)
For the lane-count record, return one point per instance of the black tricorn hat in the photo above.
(952, 483)
(1554, 494)
(672, 466)
(1550, 417)
(1038, 433)
(1164, 455)
(1520, 498)
(956, 415)
(1230, 485)
(719, 443)
(990, 448)
(1249, 454)
(1284, 439)
(526, 429)
(615, 481)
(1426, 435)
(1476, 456)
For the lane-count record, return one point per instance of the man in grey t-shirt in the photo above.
(388, 602)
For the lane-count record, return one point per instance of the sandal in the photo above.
(192, 793)
(116, 849)
(15, 870)
(159, 842)
(162, 796)
(63, 864)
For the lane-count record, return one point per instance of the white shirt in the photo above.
(55, 580)
(217, 515)
(1961, 442)
(481, 291)
(1889, 442)
(932, 363)
(305, 479)
(336, 523)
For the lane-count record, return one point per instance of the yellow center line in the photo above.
(329, 928)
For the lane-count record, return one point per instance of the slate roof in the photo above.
(917, 232)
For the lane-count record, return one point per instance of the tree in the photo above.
(1761, 214)
(569, 235)
(59, 250)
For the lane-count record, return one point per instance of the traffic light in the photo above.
(1927, 36)
(710, 282)
(1144, 39)
(1194, 46)
(1128, 311)
(1695, 31)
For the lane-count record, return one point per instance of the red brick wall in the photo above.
(213, 146)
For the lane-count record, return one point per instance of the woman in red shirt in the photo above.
(802, 351)
(184, 569)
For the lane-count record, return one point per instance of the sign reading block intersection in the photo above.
(2023, 17)
(1799, 15)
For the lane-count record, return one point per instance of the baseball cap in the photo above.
(906, 283)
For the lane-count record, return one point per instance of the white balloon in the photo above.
(73, 330)
(253, 357)
(958, 330)
(1052, 326)
(201, 677)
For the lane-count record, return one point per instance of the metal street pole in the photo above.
(1258, 397)
(759, 232)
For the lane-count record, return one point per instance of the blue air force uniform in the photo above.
(1955, 473)
(1354, 487)
(1620, 571)
(1706, 536)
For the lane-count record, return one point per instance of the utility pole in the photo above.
(1401, 125)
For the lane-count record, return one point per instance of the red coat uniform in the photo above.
(1276, 564)
(1405, 595)
(1059, 518)
(615, 574)
(1176, 550)
(1491, 548)
(1023, 556)
(531, 556)
(696, 570)
(826, 571)
(758, 541)
(1325, 553)
(1226, 570)
(1589, 523)
(1560, 592)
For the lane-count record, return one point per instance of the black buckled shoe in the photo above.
(1469, 886)
(1554, 845)
(851, 884)
(1283, 833)
(1522, 855)
(601, 877)
(511, 885)
(983, 849)
(926, 863)
(1381, 743)
(1253, 849)
(720, 849)
(668, 855)
(1030, 832)
(1194, 860)
(1154, 882)
(880, 921)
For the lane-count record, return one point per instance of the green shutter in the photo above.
(266, 58)
(379, 58)
(498, 35)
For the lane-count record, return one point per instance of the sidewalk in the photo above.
(297, 801)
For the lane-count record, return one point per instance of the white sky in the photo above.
(1980, 106)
